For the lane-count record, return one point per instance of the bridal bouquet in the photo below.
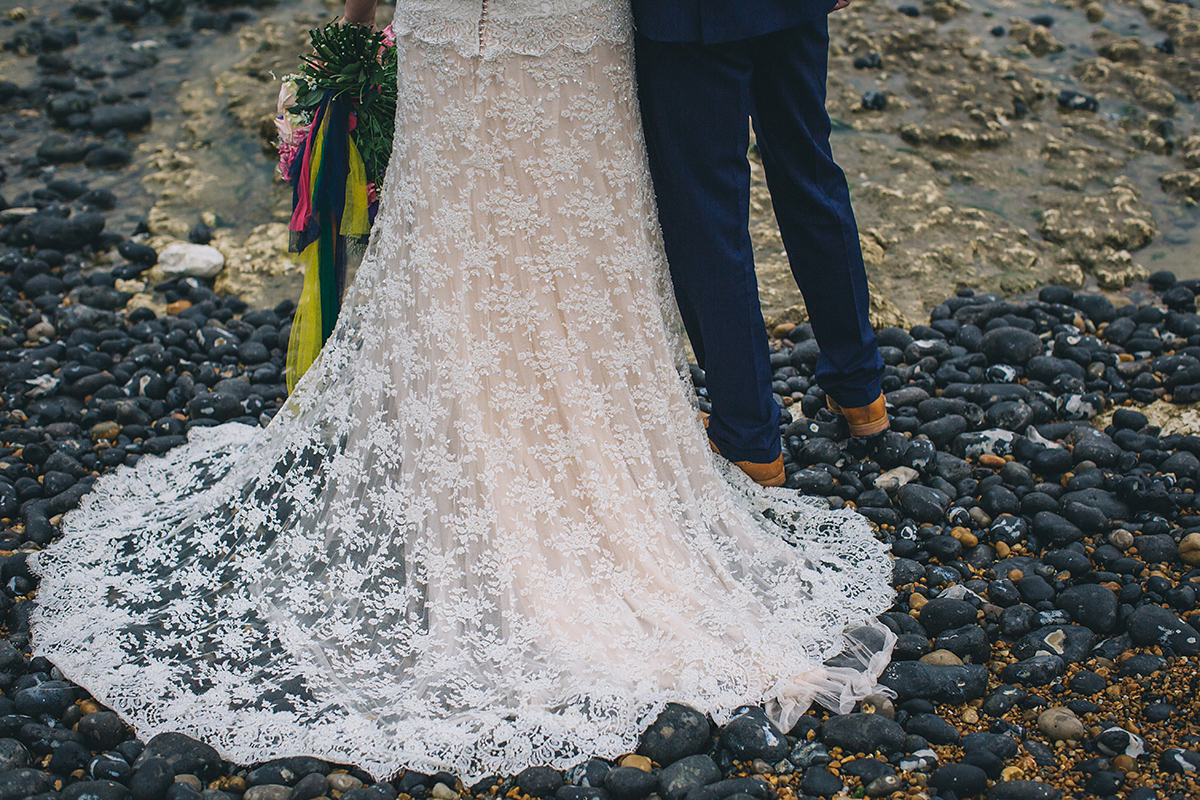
(335, 121)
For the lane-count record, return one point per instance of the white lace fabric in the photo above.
(486, 530)
(492, 28)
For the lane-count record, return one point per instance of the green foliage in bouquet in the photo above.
(353, 62)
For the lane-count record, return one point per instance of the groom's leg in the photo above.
(812, 206)
(695, 106)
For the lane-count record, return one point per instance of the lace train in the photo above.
(486, 530)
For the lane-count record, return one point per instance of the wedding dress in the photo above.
(486, 530)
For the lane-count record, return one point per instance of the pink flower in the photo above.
(389, 37)
(372, 192)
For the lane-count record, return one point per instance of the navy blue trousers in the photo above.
(696, 100)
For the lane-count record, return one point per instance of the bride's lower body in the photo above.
(487, 529)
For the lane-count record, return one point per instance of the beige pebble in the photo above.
(879, 704)
(1012, 774)
(941, 658)
(1060, 723)
(917, 600)
(781, 330)
(970, 716)
(341, 782)
(268, 791)
(105, 430)
(178, 306)
(443, 792)
(1189, 549)
(1094, 11)
(992, 461)
(190, 780)
(1121, 539)
(636, 761)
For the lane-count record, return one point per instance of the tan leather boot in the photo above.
(772, 474)
(865, 420)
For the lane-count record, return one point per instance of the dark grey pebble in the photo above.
(539, 781)
(1090, 605)
(95, 790)
(933, 729)
(941, 614)
(862, 733)
(49, 697)
(751, 735)
(676, 780)
(1035, 671)
(964, 780)
(678, 731)
(183, 755)
(24, 782)
(1150, 625)
(1010, 345)
(820, 782)
(151, 778)
(949, 684)
(1023, 790)
(629, 783)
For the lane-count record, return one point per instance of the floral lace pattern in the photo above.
(486, 530)
(526, 27)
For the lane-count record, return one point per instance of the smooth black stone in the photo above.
(751, 735)
(539, 781)
(1158, 548)
(69, 757)
(1141, 665)
(629, 783)
(948, 684)
(151, 779)
(110, 766)
(933, 729)
(183, 755)
(862, 733)
(13, 755)
(25, 782)
(95, 790)
(678, 731)
(1023, 790)
(1003, 699)
(942, 614)
(910, 647)
(964, 780)
(745, 788)
(1090, 605)
(1035, 671)
(1009, 345)
(108, 156)
(922, 502)
(1115, 741)
(1149, 625)
(1087, 682)
(581, 793)
(126, 118)
(1072, 642)
(1002, 746)
(49, 697)
(1176, 760)
(1054, 528)
(677, 779)
(1100, 504)
(820, 782)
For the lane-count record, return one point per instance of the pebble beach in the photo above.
(1035, 301)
